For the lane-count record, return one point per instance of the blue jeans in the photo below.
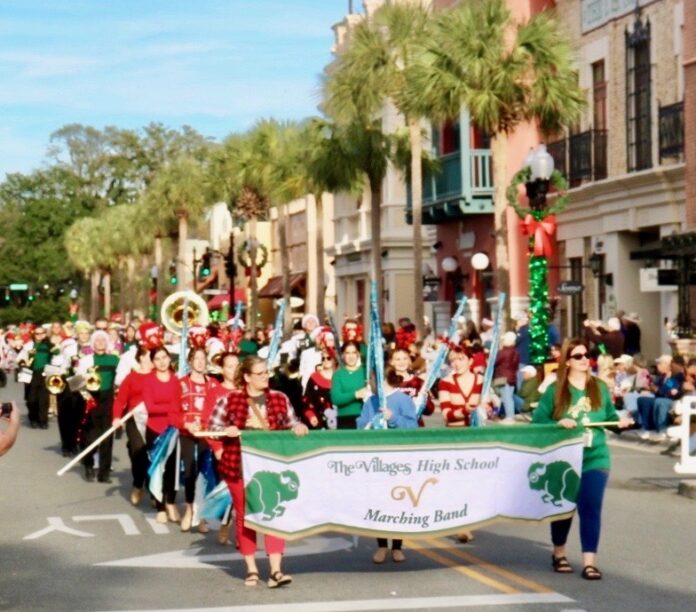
(506, 395)
(654, 413)
(630, 401)
(593, 483)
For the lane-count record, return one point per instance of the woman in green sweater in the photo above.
(348, 387)
(577, 398)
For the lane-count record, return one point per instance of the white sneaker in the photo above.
(658, 437)
(644, 435)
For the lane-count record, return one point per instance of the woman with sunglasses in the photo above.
(253, 406)
(577, 398)
(317, 396)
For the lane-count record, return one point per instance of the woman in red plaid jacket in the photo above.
(253, 406)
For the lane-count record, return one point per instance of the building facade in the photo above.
(625, 161)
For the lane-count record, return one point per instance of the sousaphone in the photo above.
(172, 314)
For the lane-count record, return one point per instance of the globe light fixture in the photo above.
(480, 261)
(449, 264)
(541, 164)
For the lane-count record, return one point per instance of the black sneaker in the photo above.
(105, 479)
(89, 474)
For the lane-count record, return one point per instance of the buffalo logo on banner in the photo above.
(558, 481)
(268, 491)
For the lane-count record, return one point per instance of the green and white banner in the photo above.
(408, 483)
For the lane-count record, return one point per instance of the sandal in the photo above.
(590, 572)
(561, 565)
(252, 579)
(380, 555)
(278, 579)
(398, 556)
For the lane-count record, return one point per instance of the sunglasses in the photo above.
(578, 356)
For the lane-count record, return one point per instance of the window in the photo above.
(638, 94)
(599, 96)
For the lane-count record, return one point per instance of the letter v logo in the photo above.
(400, 492)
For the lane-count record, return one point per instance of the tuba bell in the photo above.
(215, 363)
(55, 384)
(92, 380)
(172, 314)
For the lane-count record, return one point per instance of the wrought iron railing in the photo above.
(671, 125)
(581, 157)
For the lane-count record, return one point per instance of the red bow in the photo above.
(541, 232)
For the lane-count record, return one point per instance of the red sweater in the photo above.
(130, 393)
(193, 396)
(163, 401)
(214, 395)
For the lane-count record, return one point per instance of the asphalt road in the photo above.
(71, 545)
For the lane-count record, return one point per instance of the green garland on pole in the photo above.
(538, 265)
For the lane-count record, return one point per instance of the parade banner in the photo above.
(408, 483)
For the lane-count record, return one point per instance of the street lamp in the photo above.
(541, 164)
(479, 262)
(595, 261)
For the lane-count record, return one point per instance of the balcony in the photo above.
(581, 157)
(671, 126)
(463, 186)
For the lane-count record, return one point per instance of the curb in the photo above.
(687, 488)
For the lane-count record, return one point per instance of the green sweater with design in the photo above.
(596, 452)
(344, 384)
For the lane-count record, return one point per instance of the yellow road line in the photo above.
(466, 571)
(491, 567)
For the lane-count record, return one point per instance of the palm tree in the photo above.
(504, 73)
(375, 68)
(83, 243)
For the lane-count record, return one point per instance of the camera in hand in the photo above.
(5, 409)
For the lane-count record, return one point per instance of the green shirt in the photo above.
(42, 356)
(344, 384)
(106, 368)
(596, 452)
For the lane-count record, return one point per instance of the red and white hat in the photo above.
(198, 336)
(150, 335)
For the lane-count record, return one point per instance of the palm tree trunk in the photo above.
(122, 290)
(107, 294)
(130, 284)
(284, 261)
(94, 296)
(253, 284)
(181, 263)
(502, 260)
(376, 238)
(319, 245)
(417, 208)
(160, 275)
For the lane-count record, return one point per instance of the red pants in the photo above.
(246, 538)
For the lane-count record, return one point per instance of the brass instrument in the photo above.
(215, 363)
(92, 380)
(172, 314)
(55, 384)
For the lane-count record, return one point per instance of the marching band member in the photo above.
(253, 406)
(195, 386)
(322, 339)
(37, 354)
(130, 395)
(316, 400)
(99, 408)
(348, 387)
(162, 395)
(69, 417)
(410, 384)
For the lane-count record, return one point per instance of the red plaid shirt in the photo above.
(233, 411)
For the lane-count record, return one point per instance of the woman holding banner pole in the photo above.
(578, 399)
(254, 406)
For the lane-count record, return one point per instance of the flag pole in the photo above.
(94, 444)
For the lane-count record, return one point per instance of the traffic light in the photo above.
(205, 264)
(173, 280)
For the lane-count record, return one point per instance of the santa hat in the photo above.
(100, 333)
(309, 317)
(150, 335)
(198, 336)
(321, 336)
(237, 322)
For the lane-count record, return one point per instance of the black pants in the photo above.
(347, 422)
(97, 421)
(383, 543)
(37, 400)
(192, 450)
(71, 407)
(138, 452)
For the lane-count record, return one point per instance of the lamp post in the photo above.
(453, 275)
(539, 225)
(479, 262)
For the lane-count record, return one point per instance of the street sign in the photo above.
(569, 287)
(19, 287)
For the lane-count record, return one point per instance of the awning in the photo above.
(274, 287)
(216, 302)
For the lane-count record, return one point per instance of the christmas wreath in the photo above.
(558, 182)
(244, 255)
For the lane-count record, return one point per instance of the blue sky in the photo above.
(216, 65)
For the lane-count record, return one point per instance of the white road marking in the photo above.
(55, 523)
(158, 528)
(189, 558)
(127, 523)
(416, 603)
